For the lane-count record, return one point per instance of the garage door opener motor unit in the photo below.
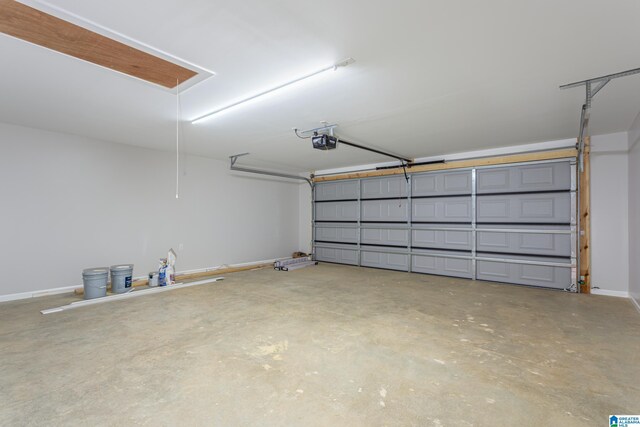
(324, 142)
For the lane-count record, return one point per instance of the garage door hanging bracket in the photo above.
(233, 159)
(592, 87)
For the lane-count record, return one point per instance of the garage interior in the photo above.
(274, 213)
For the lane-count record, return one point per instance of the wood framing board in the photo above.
(130, 294)
(198, 275)
(585, 220)
(456, 164)
(34, 26)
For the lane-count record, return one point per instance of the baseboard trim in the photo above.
(605, 292)
(34, 294)
(619, 294)
(65, 289)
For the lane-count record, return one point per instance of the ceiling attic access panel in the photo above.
(42, 29)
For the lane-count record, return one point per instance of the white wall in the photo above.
(70, 203)
(609, 214)
(634, 210)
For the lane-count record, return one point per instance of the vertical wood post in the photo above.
(585, 220)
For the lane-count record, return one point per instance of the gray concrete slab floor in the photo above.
(323, 346)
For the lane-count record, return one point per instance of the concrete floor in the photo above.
(327, 346)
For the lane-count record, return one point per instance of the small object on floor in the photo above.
(153, 279)
(121, 278)
(293, 263)
(162, 272)
(299, 255)
(95, 282)
(171, 267)
(299, 265)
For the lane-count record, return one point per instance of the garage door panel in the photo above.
(337, 211)
(340, 256)
(424, 210)
(337, 234)
(493, 271)
(337, 190)
(525, 208)
(493, 242)
(525, 178)
(391, 261)
(444, 239)
(446, 209)
(457, 182)
(524, 243)
(458, 266)
(394, 210)
(440, 184)
(383, 236)
(493, 180)
(524, 274)
(384, 187)
(444, 266)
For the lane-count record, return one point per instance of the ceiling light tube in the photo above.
(315, 73)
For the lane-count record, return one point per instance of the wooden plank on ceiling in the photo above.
(456, 164)
(29, 24)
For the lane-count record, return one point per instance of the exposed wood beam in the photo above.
(29, 24)
(456, 164)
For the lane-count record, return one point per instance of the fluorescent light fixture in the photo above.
(266, 92)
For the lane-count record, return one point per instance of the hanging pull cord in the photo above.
(177, 139)
(404, 169)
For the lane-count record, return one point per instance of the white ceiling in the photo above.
(430, 77)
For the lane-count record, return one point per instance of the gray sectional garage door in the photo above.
(511, 224)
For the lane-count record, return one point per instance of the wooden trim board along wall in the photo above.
(456, 164)
(199, 275)
(29, 24)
